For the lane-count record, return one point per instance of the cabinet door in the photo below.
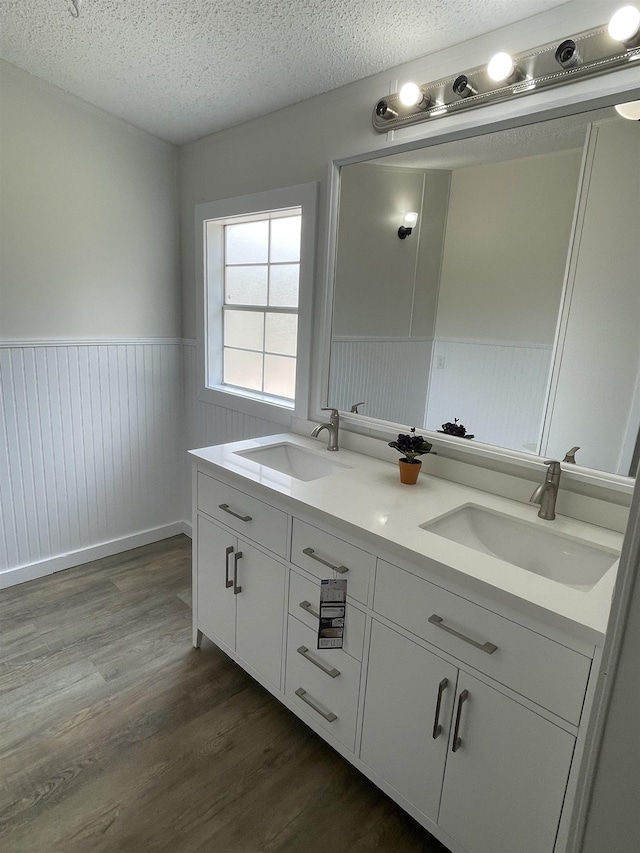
(215, 602)
(402, 714)
(505, 783)
(260, 612)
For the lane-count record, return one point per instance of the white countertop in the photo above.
(369, 496)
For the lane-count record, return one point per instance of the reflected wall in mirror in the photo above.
(514, 305)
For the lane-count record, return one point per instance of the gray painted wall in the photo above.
(88, 236)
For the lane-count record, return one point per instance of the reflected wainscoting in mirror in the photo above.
(513, 305)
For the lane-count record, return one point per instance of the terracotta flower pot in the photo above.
(409, 471)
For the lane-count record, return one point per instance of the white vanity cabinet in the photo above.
(239, 591)
(464, 710)
(490, 772)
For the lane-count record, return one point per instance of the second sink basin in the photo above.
(297, 462)
(551, 554)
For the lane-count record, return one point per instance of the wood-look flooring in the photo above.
(117, 735)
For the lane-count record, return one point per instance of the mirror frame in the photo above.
(588, 95)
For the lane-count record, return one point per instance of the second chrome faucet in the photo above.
(546, 493)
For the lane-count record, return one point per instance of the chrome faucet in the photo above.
(546, 493)
(332, 427)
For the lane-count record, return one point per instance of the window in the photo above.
(257, 269)
(261, 274)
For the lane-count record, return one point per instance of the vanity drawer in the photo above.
(332, 701)
(318, 552)
(544, 671)
(303, 591)
(250, 517)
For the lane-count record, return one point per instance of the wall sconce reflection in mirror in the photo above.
(409, 222)
(592, 52)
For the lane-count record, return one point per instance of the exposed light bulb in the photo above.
(410, 94)
(630, 110)
(500, 67)
(624, 24)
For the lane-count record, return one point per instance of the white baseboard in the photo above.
(42, 568)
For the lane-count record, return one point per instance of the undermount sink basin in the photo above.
(297, 462)
(545, 552)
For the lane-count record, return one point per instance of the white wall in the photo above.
(506, 247)
(386, 290)
(605, 307)
(88, 235)
(90, 356)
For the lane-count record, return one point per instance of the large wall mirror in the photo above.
(513, 305)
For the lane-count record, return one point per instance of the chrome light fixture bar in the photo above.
(589, 53)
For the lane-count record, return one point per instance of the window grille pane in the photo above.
(243, 369)
(281, 333)
(247, 243)
(283, 285)
(246, 285)
(285, 239)
(244, 329)
(280, 376)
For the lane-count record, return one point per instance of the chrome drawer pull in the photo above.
(225, 507)
(236, 587)
(437, 728)
(489, 648)
(457, 740)
(329, 717)
(306, 605)
(311, 553)
(304, 651)
(227, 580)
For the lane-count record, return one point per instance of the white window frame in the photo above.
(210, 387)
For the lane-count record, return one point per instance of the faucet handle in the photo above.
(334, 412)
(570, 455)
(354, 408)
(554, 466)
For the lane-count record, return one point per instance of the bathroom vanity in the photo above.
(465, 679)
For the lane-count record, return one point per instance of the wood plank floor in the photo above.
(117, 735)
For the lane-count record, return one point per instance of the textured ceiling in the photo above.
(182, 70)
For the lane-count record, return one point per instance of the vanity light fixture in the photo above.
(409, 222)
(589, 53)
(630, 110)
(624, 26)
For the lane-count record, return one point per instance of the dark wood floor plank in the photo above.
(118, 736)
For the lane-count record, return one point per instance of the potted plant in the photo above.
(411, 446)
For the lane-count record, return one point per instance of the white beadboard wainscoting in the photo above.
(390, 374)
(90, 438)
(503, 386)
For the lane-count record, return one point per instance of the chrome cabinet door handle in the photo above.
(437, 728)
(457, 740)
(436, 620)
(330, 717)
(311, 553)
(225, 507)
(332, 671)
(236, 588)
(227, 580)
(306, 605)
